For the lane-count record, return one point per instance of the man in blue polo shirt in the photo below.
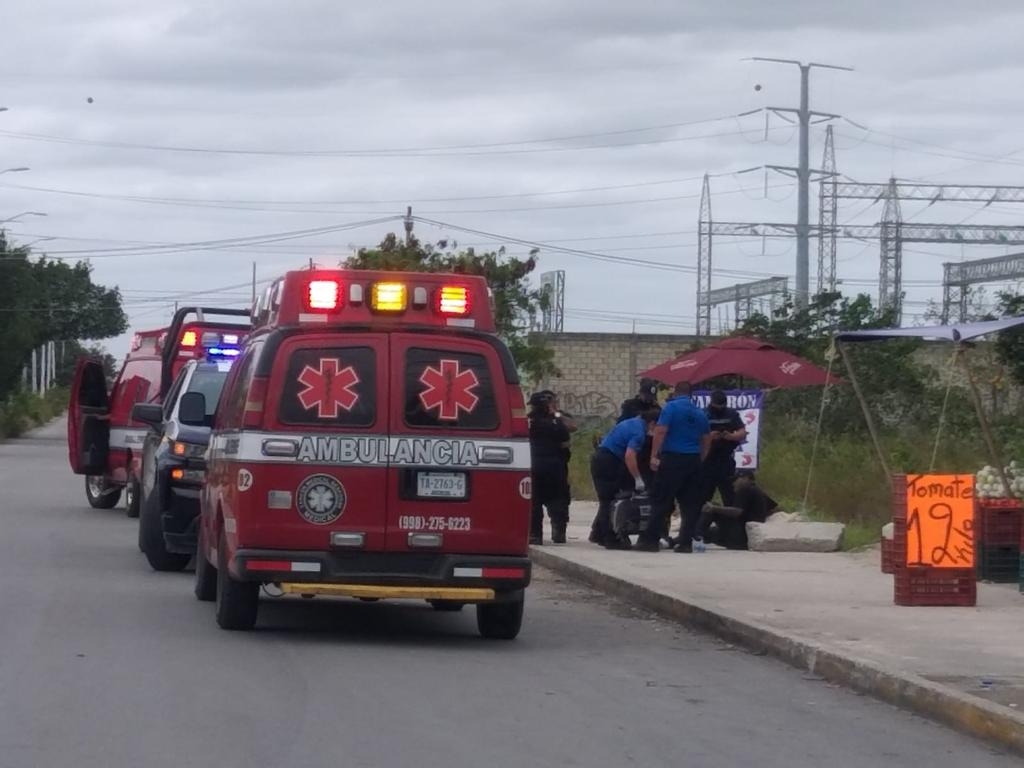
(614, 468)
(682, 439)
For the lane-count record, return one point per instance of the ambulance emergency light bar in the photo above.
(362, 298)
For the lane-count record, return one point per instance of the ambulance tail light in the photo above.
(323, 295)
(255, 403)
(453, 301)
(520, 424)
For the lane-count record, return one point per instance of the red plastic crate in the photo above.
(997, 522)
(936, 586)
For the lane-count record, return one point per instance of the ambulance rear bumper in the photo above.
(503, 574)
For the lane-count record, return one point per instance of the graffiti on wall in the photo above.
(589, 406)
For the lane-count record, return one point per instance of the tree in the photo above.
(1010, 344)
(42, 300)
(516, 303)
(894, 384)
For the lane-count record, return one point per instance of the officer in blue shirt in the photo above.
(614, 468)
(682, 439)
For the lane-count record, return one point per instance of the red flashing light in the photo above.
(323, 295)
(453, 300)
(189, 339)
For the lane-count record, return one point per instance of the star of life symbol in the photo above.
(321, 499)
(449, 390)
(328, 388)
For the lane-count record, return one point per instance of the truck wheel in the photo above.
(237, 601)
(100, 493)
(206, 575)
(500, 621)
(151, 538)
(446, 605)
(132, 498)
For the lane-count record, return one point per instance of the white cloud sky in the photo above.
(324, 76)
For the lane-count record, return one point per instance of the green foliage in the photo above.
(516, 304)
(43, 301)
(1010, 344)
(24, 411)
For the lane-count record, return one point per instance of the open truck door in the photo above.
(89, 419)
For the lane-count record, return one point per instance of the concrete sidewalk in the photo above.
(832, 614)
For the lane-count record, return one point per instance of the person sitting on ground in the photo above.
(727, 526)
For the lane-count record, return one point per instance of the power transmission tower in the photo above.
(890, 272)
(552, 286)
(828, 206)
(704, 227)
(803, 171)
(958, 277)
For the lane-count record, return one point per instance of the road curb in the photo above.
(965, 713)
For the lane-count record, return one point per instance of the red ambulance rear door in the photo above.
(455, 469)
(328, 394)
(89, 419)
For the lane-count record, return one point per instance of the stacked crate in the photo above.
(924, 585)
(997, 525)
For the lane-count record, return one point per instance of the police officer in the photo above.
(727, 432)
(569, 422)
(681, 442)
(644, 400)
(615, 468)
(548, 438)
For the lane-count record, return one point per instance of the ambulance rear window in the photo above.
(449, 389)
(330, 387)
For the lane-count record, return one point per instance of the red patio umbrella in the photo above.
(740, 356)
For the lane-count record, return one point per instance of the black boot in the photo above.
(558, 533)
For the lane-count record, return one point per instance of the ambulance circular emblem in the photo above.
(320, 499)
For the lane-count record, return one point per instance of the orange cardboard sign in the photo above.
(940, 521)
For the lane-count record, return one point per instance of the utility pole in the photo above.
(803, 171)
(254, 282)
(408, 226)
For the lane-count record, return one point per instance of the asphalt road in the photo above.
(104, 663)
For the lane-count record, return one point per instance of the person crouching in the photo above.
(614, 468)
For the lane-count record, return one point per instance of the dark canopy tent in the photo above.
(958, 334)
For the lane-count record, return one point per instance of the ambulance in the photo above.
(104, 442)
(370, 442)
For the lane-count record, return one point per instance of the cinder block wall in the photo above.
(599, 369)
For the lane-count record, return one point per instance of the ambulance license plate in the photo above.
(441, 485)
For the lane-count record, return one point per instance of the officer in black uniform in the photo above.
(566, 419)
(727, 433)
(548, 438)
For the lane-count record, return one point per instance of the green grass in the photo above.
(24, 411)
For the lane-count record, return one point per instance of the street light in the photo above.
(20, 169)
(19, 215)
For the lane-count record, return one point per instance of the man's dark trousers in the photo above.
(678, 479)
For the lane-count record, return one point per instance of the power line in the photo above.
(495, 148)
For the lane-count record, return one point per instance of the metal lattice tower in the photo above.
(552, 285)
(958, 277)
(828, 206)
(742, 295)
(890, 270)
(704, 227)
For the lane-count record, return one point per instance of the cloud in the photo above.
(322, 75)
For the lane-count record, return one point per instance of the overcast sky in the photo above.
(299, 108)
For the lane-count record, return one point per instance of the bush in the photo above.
(24, 411)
